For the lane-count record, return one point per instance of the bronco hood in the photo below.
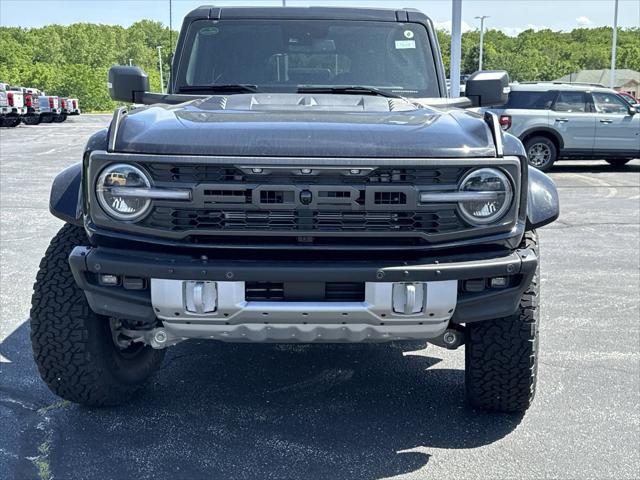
(303, 125)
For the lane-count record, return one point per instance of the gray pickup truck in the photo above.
(564, 121)
(305, 179)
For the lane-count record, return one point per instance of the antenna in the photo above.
(170, 45)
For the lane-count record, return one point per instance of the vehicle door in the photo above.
(617, 130)
(571, 118)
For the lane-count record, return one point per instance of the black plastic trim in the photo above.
(114, 301)
(452, 267)
(65, 200)
(598, 154)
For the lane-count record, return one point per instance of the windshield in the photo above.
(288, 55)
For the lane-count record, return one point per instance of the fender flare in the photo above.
(545, 131)
(66, 198)
(65, 201)
(543, 202)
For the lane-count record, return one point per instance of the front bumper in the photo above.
(235, 319)
(13, 111)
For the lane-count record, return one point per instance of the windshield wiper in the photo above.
(347, 89)
(222, 87)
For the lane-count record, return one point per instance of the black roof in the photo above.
(308, 13)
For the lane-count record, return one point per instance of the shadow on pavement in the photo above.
(592, 167)
(247, 411)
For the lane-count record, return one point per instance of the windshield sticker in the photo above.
(405, 44)
(209, 31)
(408, 34)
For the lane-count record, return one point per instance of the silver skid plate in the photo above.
(235, 319)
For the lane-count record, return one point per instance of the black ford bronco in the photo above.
(305, 179)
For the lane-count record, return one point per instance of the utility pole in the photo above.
(130, 62)
(481, 18)
(456, 46)
(612, 80)
(160, 67)
(284, 3)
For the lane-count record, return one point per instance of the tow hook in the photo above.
(451, 339)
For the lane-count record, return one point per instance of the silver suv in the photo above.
(556, 120)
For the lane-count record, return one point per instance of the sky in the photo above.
(510, 16)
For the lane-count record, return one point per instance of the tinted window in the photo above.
(530, 100)
(279, 56)
(609, 103)
(571, 102)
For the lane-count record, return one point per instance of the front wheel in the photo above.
(541, 152)
(501, 356)
(32, 120)
(74, 348)
(60, 118)
(10, 122)
(618, 162)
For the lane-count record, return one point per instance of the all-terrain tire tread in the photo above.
(501, 354)
(64, 330)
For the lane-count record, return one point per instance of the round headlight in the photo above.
(116, 191)
(489, 196)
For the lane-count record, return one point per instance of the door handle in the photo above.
(606, 120)
(562, 120)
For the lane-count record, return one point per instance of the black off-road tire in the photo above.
(32, 120)
(618, 162)
(501, 355)
(47, 118)
(10, 122)
(547, 148)
(72, 346)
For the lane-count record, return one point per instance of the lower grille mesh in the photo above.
(440, 221)
(333, 292)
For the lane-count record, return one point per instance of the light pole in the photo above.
(160, 67)
(284, 3)
(456, 47)
(612, 79)
(481, 18)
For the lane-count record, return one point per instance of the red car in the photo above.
(630, 99)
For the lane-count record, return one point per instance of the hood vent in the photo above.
(291, 102)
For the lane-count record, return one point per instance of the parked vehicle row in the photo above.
(559, 120)
(32, 106)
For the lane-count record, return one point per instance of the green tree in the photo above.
(74, 60)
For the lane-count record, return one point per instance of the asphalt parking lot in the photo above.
(223, 411)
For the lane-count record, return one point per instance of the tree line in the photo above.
(73, 60)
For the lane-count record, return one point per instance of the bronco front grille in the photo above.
(306, 203)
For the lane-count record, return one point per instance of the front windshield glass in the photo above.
(286, 55)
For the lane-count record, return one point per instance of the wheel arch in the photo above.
(546, 132)
(66, 198)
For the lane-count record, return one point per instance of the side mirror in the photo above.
(488, 88)
(633, 109)
(127, 84)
